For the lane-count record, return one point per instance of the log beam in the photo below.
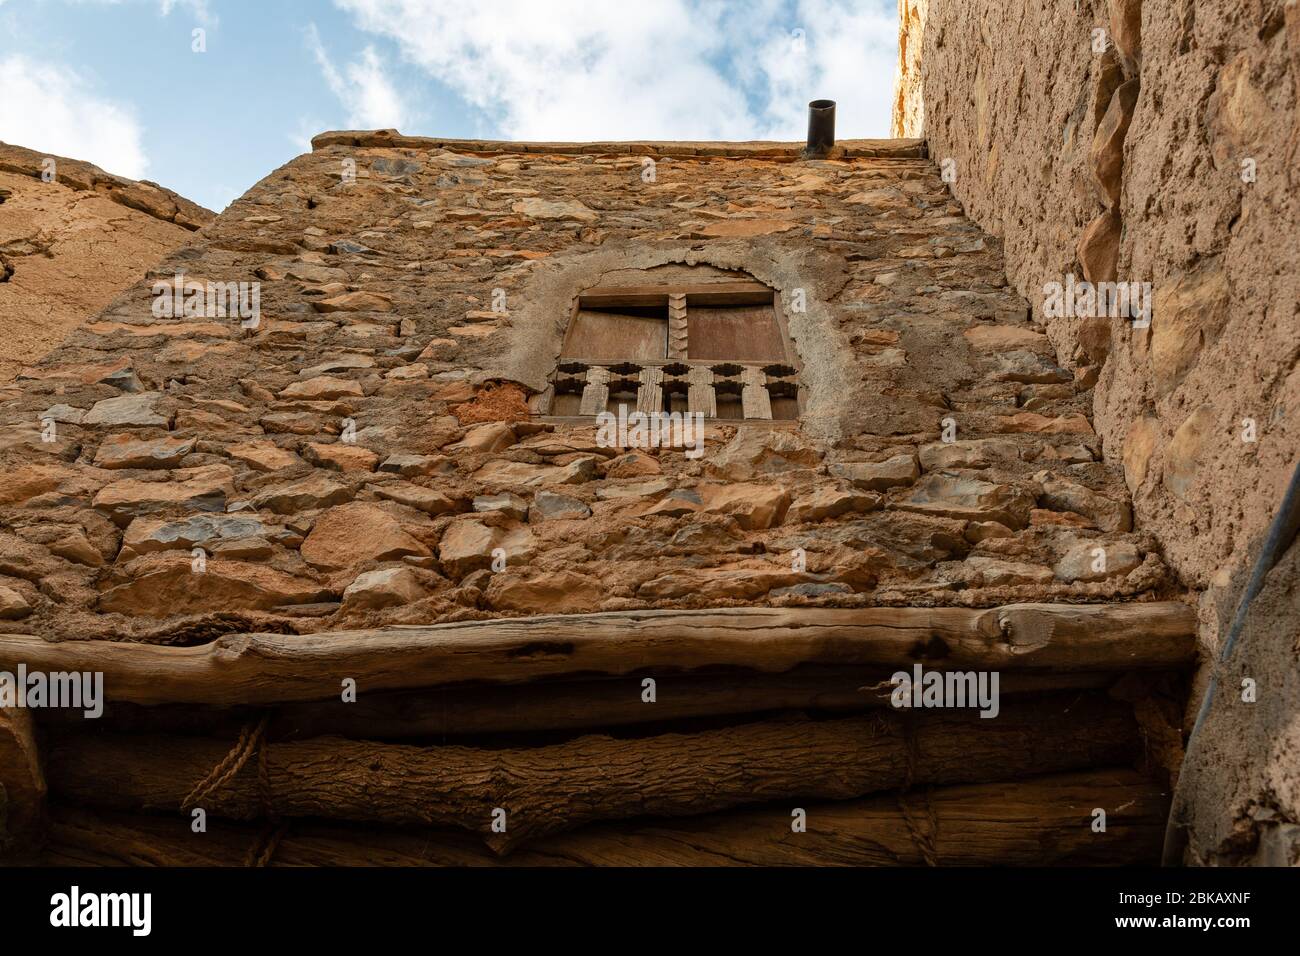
(22, 782)
(1044, 821)
(270, 668)
(592, 705)
(553, 788)
(550, 706)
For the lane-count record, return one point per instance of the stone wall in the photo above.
(1163, 150)
(357, 456)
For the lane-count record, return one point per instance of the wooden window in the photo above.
(630, 333)
(734, 333)
(719, 348)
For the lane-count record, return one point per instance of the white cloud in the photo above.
(197, 9)
(850, 50)
(304, 129)
(681, 69)
(363, 87)
(51, 108)
(567, 69)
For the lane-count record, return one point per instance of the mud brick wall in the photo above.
(356, 458)
(1168, 157)
(71, 238)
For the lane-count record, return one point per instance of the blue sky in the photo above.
(118, 83)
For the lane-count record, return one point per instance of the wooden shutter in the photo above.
(611, 336)
(734, 333)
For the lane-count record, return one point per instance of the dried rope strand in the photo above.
(250, 740)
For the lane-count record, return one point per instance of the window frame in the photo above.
(707, 294)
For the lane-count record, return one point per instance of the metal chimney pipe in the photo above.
(821, 129)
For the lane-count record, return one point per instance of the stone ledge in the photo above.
(845, 149)
(143, 196)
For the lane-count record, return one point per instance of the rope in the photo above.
(264, 783)
(268, 841)
(924, 841)
(250, 740)
(910, 751)
(264, 847)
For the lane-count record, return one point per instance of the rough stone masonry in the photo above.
(1157, 143)
(256, 501)
(357, 458)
